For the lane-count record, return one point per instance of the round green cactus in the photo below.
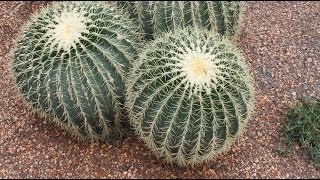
(70, 63)
(190, 95)
(156, 17)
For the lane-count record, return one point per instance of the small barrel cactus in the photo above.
(190, 95)
(70, 63)
(155, 17)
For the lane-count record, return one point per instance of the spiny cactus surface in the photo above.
(155, 17)
(70, 63)
(190, 95)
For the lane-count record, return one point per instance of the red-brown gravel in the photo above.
(281, 41)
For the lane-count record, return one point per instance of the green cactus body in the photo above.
(155, 17)
(70, 63)
(190, 95)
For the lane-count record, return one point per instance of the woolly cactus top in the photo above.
(64, 24)
(68, 28)
(190, 95)
(196, 66)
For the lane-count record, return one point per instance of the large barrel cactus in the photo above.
(156, 17)
(70, 63)
(190, 95)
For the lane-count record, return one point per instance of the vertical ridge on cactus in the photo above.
(156, 17)
(70, 63)
(189, 95)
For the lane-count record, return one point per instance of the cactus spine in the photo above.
(70, 63)
(155, 17)
(190, 95)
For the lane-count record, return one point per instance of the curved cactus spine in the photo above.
(190, 95)
(155, 17)
(70, 63)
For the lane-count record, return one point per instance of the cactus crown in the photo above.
(70, 63)
(190, 95)
(68, 29)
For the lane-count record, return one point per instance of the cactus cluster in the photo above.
(190, 95)
(70, 63)
(170, 66)
(157, 17)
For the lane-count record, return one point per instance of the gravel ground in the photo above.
(281, 41)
